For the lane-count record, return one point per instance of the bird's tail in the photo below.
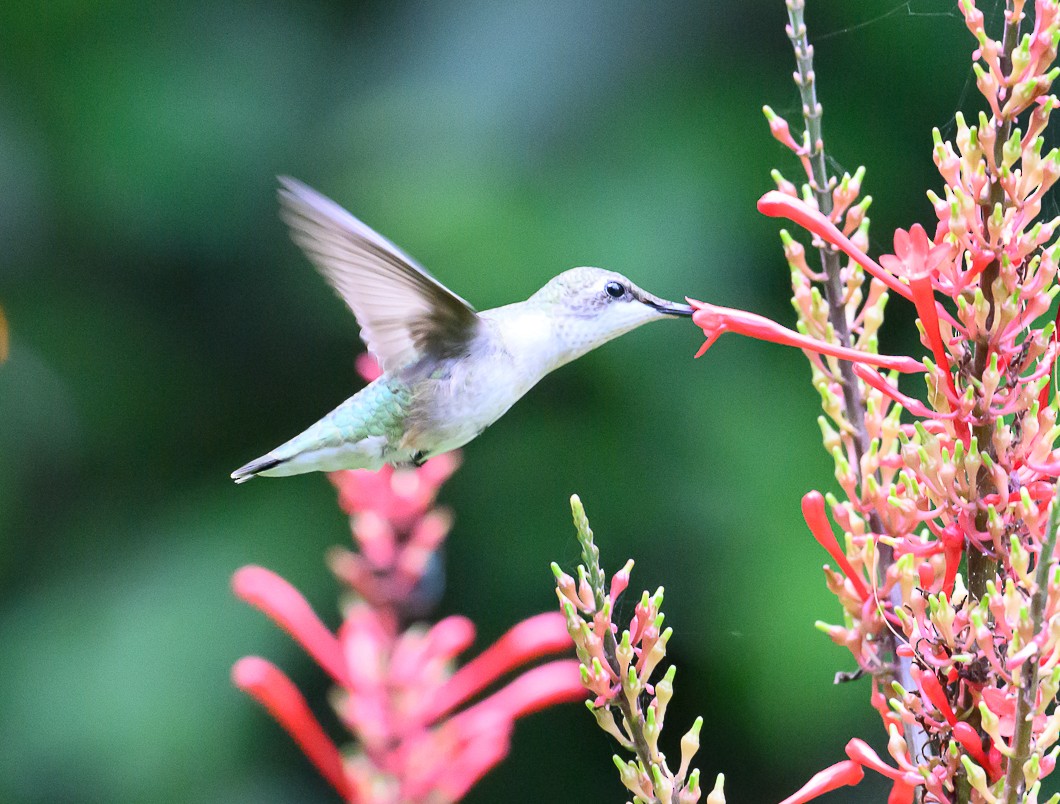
(255, 467)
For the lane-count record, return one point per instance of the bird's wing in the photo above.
(402, 310)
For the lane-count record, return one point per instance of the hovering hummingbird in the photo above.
(448, 371)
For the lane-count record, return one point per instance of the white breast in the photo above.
(480, 389)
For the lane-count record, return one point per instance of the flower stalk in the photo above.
(835, 289)
(1015, 779)
(424, 732)
(948, 510)
(622, 674)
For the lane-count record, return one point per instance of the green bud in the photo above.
(976, 776)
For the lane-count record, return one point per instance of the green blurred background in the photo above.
(164, 331)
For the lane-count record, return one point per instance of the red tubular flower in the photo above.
(385, 674)
(397, 495)
(778, 205)
(933, 692)
(983, 277)
(972, 742)
(537, 636)
(813, 512)
(917, 258)
(267, 684)
(842, 774)
(397, 693)
(953, 550)
(286, 607)
(715, 320)
(860, 752)
(850, 772)
(914, 406)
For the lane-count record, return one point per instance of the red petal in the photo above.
(839, 775)
(287, 608)
(267, 684)
(860, 752)
(813, 512)
(537, 636)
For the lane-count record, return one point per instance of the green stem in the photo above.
(982, 568)
(853, 403)
(821, 185)
(633, 719)
(1028, 692)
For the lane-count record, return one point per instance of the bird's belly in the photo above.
(466, 404)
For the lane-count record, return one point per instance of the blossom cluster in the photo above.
(424, 730)
(618, 672)
(945, 570)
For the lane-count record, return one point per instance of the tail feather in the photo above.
(250, 470)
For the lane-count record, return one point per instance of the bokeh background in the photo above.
(164, 330)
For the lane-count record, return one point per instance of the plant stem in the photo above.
(854, 405)
(981, 567)
(634, 720)
(822, 184)
(1028, 693)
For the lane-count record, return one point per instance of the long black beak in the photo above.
(667, 307)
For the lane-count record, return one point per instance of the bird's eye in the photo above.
(615, 290)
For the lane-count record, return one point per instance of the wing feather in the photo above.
(403, 311)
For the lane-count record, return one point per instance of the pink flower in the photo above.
(396, 495)
(817, 521)
(842, 774)
(400, 698)
(1002, 703)
(850, 772)
(396, 530)
(777, 204)
(267, 684)
(918, 259)
(423, 732)
(715, 320)
(962, 664)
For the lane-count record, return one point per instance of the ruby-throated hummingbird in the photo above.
(448, 371)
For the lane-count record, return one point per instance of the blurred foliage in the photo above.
(163, 330)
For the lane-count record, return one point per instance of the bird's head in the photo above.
(591, 306)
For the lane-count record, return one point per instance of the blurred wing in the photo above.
(402, 310)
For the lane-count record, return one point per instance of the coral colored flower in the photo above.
(268, 685)
(917, 259)
(423, 731)
(399, 696)
(777, 204)
(915, 255)
(715, 320)
(397, 495)
(842, 774)
(947, 489)
(850, 772)
(618, 668)
(817, 521)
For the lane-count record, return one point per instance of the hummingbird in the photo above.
(449, 372)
